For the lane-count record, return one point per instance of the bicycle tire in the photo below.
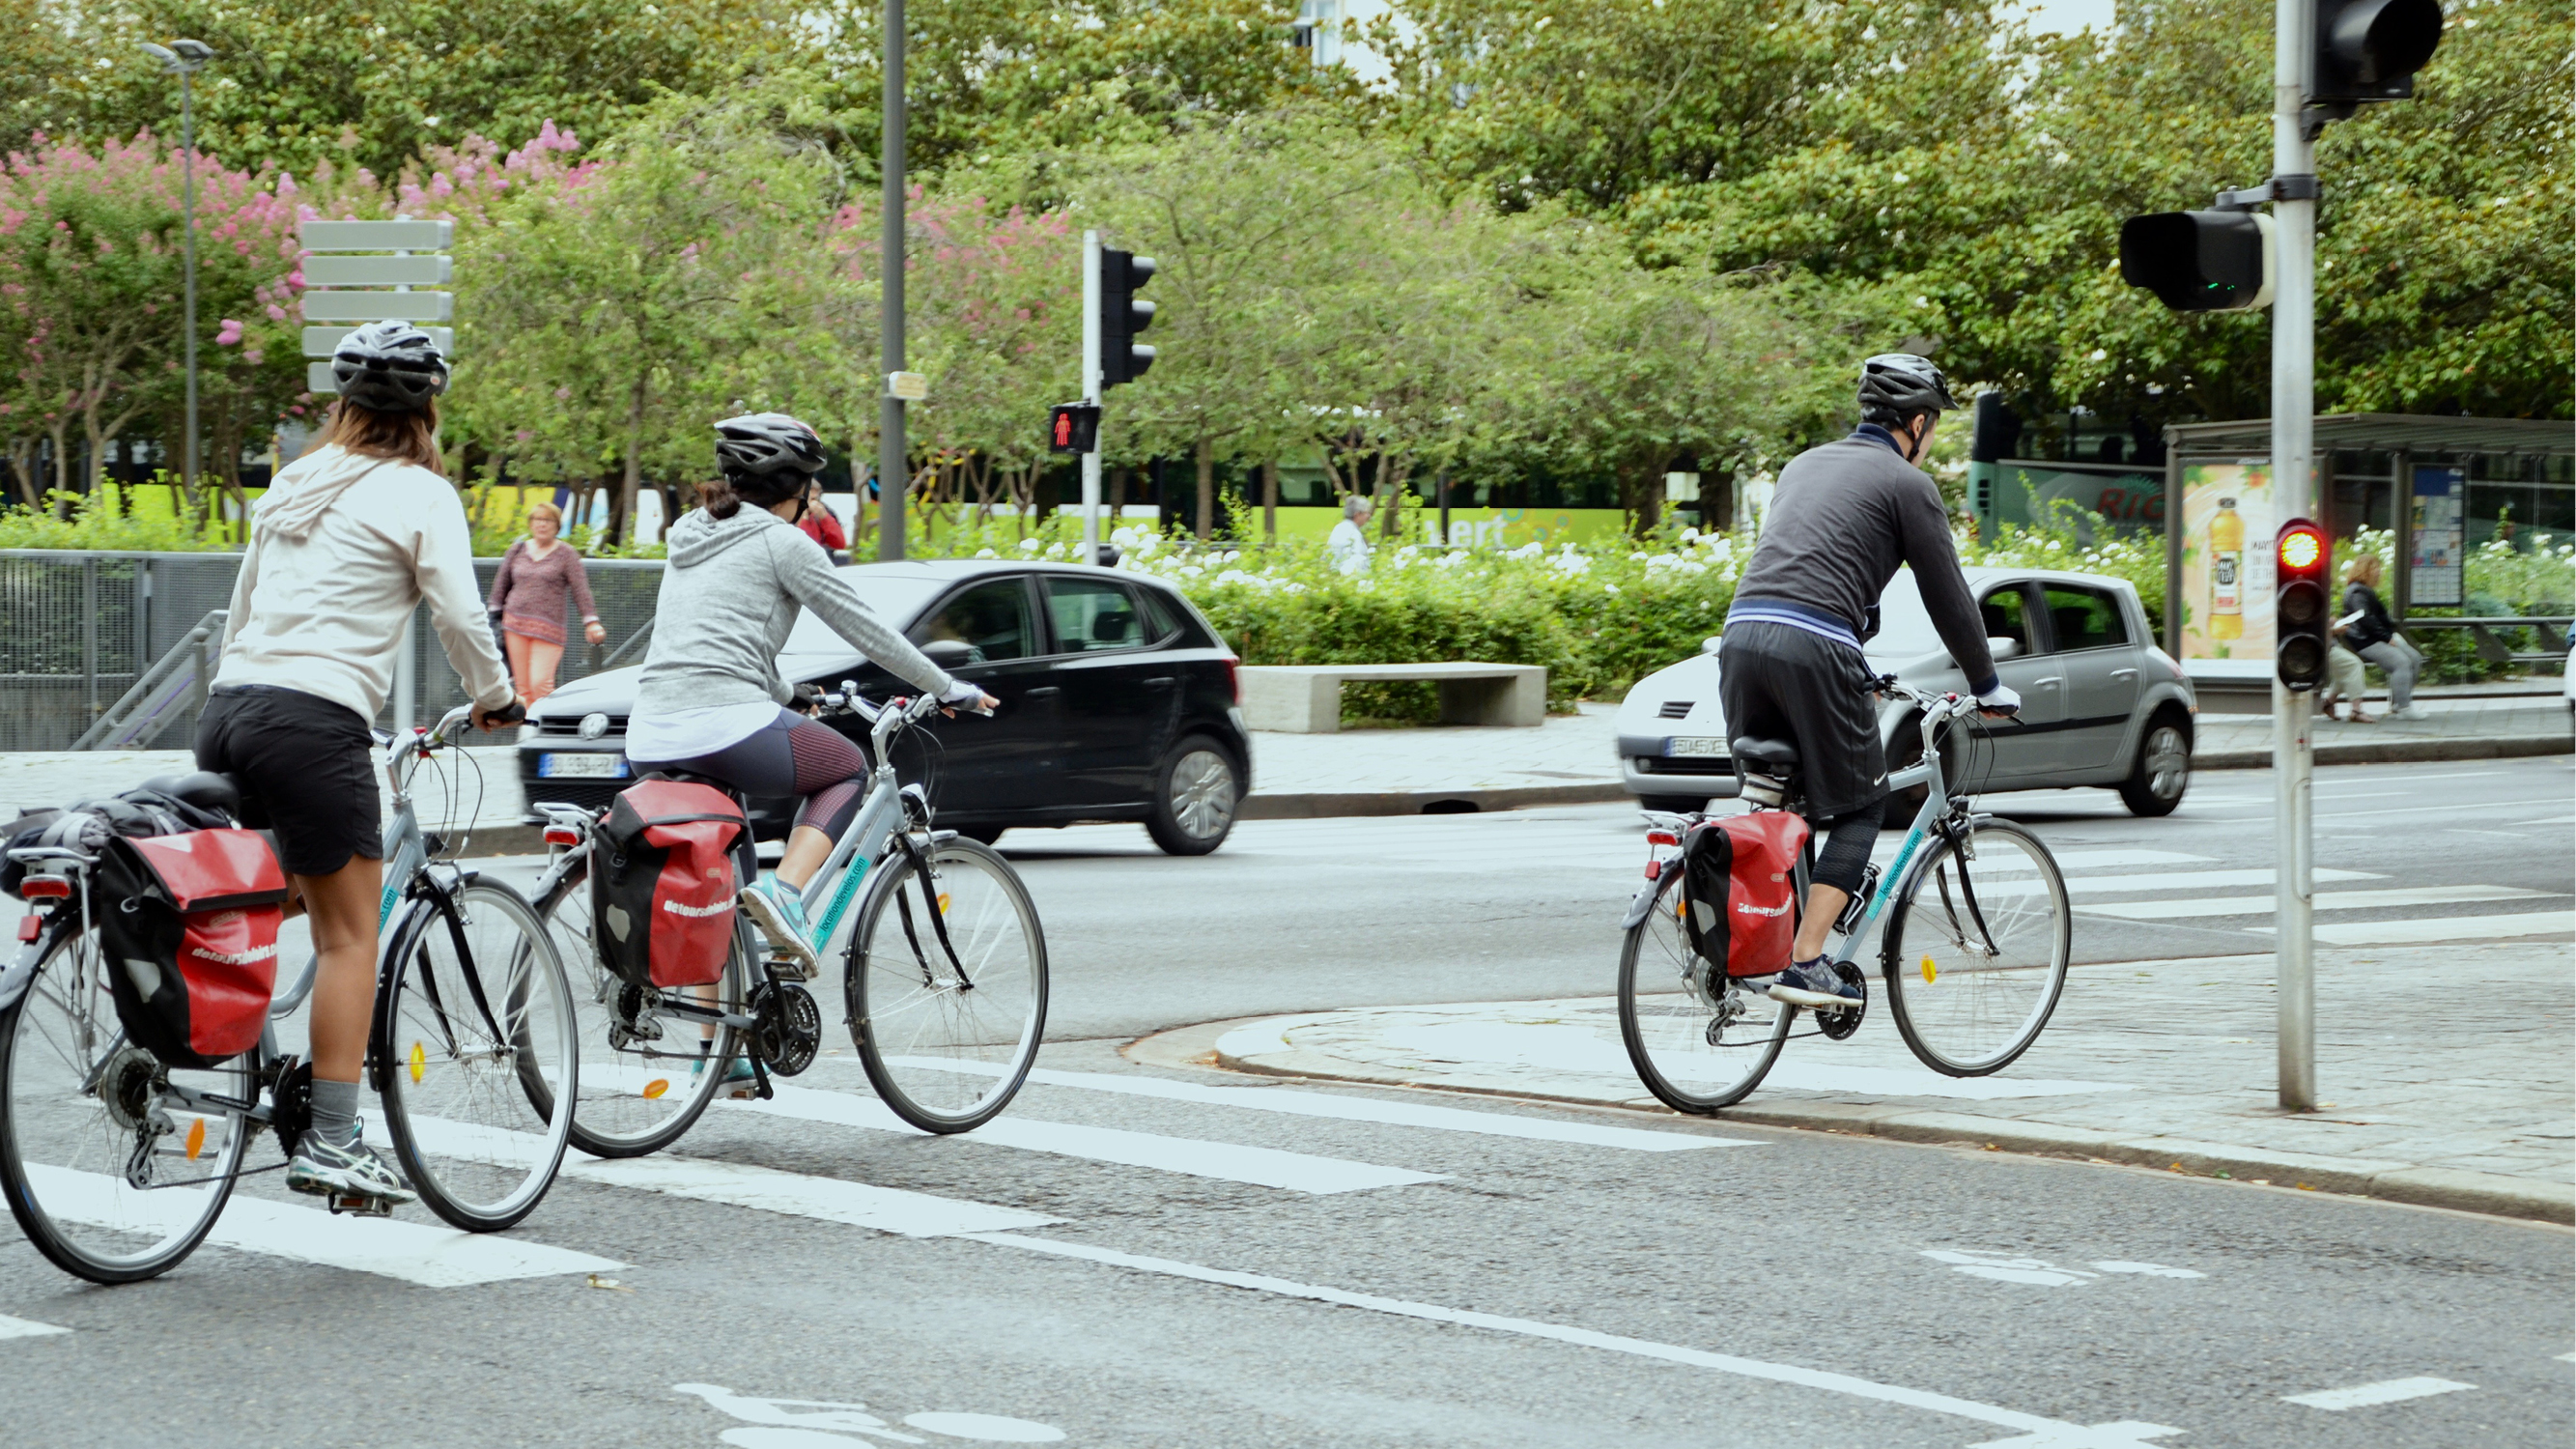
(1659, 1026)
(55, 1140)
(1992, 1013)
(480, 1149)
(607, 1118)
(925, 1047)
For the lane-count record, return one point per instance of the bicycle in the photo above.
(1972, 971)
(472, 1037)
(946, 1015)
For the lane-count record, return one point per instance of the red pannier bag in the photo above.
(662, 882)
(188, 924)
(1740, 886)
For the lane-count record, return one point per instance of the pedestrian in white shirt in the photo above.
(1349, 546)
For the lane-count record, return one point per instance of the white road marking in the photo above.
(1361, 1109)
(27, 1328)
(2094, 859)
(2152, 1270)
(2446, 929)
(2126, 1434)
(2410, 810)
(2324, 901)
(2007, 1268)
(2180, 880)
(2050, 1431)
(1224, 1161)
(439, 1257)
(2363, 1396)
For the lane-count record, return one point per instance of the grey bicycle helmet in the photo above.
(766, 457)
(1895, 386)
(390, 367)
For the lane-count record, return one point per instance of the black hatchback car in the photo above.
(1118, 702)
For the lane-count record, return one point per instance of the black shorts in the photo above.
(1779, 682)
(307, 771)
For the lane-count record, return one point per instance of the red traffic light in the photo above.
(2302, 557)
(2301, 550)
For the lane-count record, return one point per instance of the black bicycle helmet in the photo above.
(1896, 386)
(766, 457)
(390, 367)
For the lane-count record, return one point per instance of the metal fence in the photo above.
(77, 630)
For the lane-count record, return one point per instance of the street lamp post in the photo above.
(185, 58)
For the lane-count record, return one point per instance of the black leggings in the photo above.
(1845, 855)
(792, 755)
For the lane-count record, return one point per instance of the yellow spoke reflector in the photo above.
(1929, 970)
(656, 1087)
(943, 903)
(419, 1063)
(196, 1138)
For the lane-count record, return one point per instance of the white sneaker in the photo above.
(2412, 711)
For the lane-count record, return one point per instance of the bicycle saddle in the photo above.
(1772, 757)
(204, 789)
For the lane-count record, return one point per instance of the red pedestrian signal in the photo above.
(1073, 428)
(2303, 565)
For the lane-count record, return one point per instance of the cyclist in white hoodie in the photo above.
(350, 537)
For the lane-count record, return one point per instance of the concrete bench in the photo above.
(1306, 699)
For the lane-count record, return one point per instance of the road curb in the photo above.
(2494, 1194)
(2399, 752)
(1323, 804)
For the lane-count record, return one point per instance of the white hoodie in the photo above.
(342, 548)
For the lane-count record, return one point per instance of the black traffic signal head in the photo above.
(1073, 428)
(1123, 314)
(2369, 50)
(2200, 261)
(2302, 562)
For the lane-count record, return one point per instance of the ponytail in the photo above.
(718, 499)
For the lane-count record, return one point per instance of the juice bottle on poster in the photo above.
(2227, 573)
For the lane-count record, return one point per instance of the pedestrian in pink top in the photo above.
(528, 594)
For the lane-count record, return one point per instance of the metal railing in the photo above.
(95, 651)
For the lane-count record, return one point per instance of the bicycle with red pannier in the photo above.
(1974, 953)
(138, 1057)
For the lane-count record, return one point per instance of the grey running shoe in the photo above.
(780, 914)
(351, 1169)
(1814, 984)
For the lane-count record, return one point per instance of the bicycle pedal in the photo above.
(359, 1205)
(788, 968)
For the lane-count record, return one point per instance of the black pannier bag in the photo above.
(188, 925)
(662, 882)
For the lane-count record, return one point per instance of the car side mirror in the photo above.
(2003, 648)
(950, 655)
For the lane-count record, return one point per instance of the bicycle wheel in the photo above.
(1964, 1009)
(947, 1032)
(71, 1156)
(1695, 1048)
(473, 1003)
(637, 1096)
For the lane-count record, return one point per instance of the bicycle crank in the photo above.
(786, 1027)
(1839, 1024)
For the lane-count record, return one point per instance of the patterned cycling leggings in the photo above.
(792, 755)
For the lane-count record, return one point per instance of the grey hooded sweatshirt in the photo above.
(730, 595)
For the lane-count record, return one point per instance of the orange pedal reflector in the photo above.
(196, 1138)
(656, 1087)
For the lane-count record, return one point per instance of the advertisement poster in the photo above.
(2227, 527)
(2434, 573)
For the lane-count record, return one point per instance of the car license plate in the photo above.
(1694, 745)
(597, 766)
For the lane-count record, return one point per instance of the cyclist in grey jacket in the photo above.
(710, 701)
(1845, 516)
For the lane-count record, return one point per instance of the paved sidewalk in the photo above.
(2165, 1064)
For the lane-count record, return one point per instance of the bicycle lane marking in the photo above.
(2040, 1431)
(28, 1328)
(433, 1257)
(1194, 1157)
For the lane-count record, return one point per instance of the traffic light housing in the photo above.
(1123, 314)
(2369, 50)
(2200, 261)
(1073, 428)
(2302, 564)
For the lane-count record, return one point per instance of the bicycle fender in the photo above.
(21, 970)
(1644, 901)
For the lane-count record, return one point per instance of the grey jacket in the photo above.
(1844, 517)
(731, 594)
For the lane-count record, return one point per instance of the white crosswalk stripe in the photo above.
(27, 1328)
(2325, 901)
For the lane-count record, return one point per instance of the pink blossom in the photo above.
(276, 313)
(229, 333)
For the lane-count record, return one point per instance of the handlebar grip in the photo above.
(512, 713)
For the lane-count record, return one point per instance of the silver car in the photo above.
(2101, 704)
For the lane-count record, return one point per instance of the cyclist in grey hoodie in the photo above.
(711, 702)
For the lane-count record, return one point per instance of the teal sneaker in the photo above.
(780, 914)
(738, 1081)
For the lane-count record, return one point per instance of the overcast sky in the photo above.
(2069, 16)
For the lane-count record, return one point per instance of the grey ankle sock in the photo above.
(335, 1109)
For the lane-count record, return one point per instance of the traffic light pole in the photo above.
(894, 468)
(2294, 307)
(1091, 393)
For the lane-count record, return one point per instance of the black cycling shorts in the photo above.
(306, 767)
(1780, 682)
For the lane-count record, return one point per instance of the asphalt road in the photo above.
(1254, 1265)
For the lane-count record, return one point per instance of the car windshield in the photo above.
(895, 598)
(1904, 628)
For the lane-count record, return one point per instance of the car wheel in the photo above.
(2155, 786)
(1674, 804)
(1195, 794)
